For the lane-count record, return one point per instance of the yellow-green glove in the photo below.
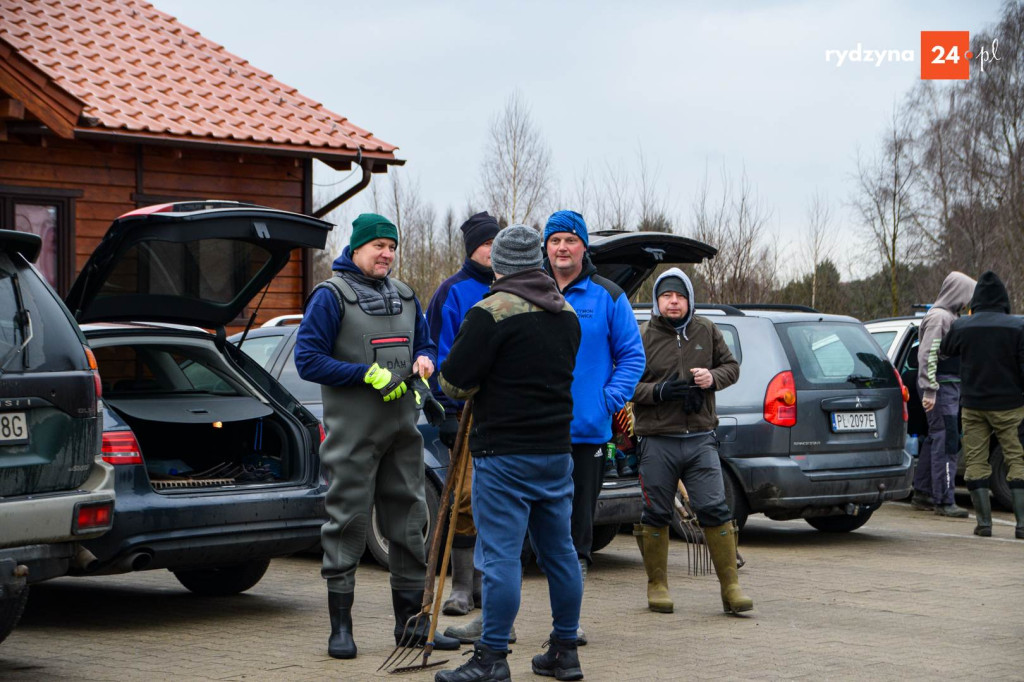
(390, 387)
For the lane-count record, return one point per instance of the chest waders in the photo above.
(373, 450)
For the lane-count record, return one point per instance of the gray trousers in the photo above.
(374, 454)
(666, 459)
(936, 464)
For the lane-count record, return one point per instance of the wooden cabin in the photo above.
(109, 105)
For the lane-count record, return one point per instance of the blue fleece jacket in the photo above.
(447, 309)
(314, 342)
(611, 357)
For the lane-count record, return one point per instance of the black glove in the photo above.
(447, 431)
(425, 400)
(693, 400)
(672, 389)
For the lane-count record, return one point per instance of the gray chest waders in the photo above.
(373, 450)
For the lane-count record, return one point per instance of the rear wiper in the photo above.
(860, 379)
(24, 321)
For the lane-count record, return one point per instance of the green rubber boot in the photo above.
(982, 512)
(1018, 511)
(722, 547)
(654, 550)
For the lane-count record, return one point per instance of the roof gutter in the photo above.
(367, 166)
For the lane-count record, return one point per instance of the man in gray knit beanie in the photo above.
(516, 248)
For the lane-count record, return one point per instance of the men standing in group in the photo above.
(938, 381)
(362, 336)
(515, 353)
(675, 418)
(445, 313)
(990, 345)
(609, 363)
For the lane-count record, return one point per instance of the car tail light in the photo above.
(120, 447)
(906, 395)
(90, 517)
(323, 434)
(95, 372)
(780, 400)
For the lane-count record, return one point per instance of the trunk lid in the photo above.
(629, 258)
(192, 263)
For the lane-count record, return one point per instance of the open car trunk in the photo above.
(197, 424)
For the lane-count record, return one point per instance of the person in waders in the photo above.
(675, 419)
(362, 337)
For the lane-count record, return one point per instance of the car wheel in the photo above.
(603, 536)
(736, 499)
(997, 481)
(377, 543)
(11, 608)
(223, 581)
(839, 524)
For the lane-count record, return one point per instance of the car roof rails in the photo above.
(727, 309)
(782, 307)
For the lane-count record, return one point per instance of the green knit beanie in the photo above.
(370, 226)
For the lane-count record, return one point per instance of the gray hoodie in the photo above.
(655, 311)
(954, 295)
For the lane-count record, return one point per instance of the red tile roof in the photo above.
(138, 71)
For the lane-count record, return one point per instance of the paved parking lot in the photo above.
(909, 596)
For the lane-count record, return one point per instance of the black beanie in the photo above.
(478, 229)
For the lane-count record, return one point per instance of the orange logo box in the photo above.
(945, 55)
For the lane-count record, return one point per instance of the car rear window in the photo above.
(53, 341)
(884, 339)
(150, 370)
(261, 348)
(834, 355)
(732, 340)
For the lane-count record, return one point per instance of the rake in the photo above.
(408, 644)
(698, 558)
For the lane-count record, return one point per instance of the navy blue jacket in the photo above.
(314, 342)
(446, 311)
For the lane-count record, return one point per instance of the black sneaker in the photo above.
(560, 661)
(922, 501)
(610, 471)
(487, 665)
(951, 510)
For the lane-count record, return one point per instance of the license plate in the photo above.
(13, 428)
(853, 421)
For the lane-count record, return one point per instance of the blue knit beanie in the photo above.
(567, 221)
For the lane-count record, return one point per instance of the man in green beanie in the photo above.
(362, 337)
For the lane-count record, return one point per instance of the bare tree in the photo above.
(885, 201)
(653, 214)
(820, 239)
(517, 175)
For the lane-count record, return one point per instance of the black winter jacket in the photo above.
(990, 344)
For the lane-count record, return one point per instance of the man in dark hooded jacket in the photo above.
(515, 354)
(990, 345)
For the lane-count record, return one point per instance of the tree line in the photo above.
(942, 191)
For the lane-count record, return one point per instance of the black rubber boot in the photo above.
(1018, 511)
(560, 661)
(982, 512)
(487, 665)
(407, 604)
(340, 644)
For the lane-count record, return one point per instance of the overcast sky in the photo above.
(744, 87)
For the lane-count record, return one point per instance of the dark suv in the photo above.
(55, 491)
(814, 428)
(216, 463)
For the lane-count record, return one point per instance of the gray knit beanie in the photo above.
(516, 248)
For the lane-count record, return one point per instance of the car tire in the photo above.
(223, 581)
(603, 536)
(378, 544)
(839, 524)
(997, 481)
(736, 499)
(11, 608)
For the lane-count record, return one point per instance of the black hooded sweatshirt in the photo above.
(990, 344)
(515, 353)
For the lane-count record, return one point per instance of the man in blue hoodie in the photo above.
(445, 312)
(362, 335)
(608, 366)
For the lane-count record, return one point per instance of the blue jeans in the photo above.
(513, 494)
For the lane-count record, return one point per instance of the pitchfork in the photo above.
(408, 642)
(698, 562)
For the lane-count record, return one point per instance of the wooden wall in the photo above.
(107, 174)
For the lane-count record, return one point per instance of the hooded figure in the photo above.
(990, 345)
(938, 381)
